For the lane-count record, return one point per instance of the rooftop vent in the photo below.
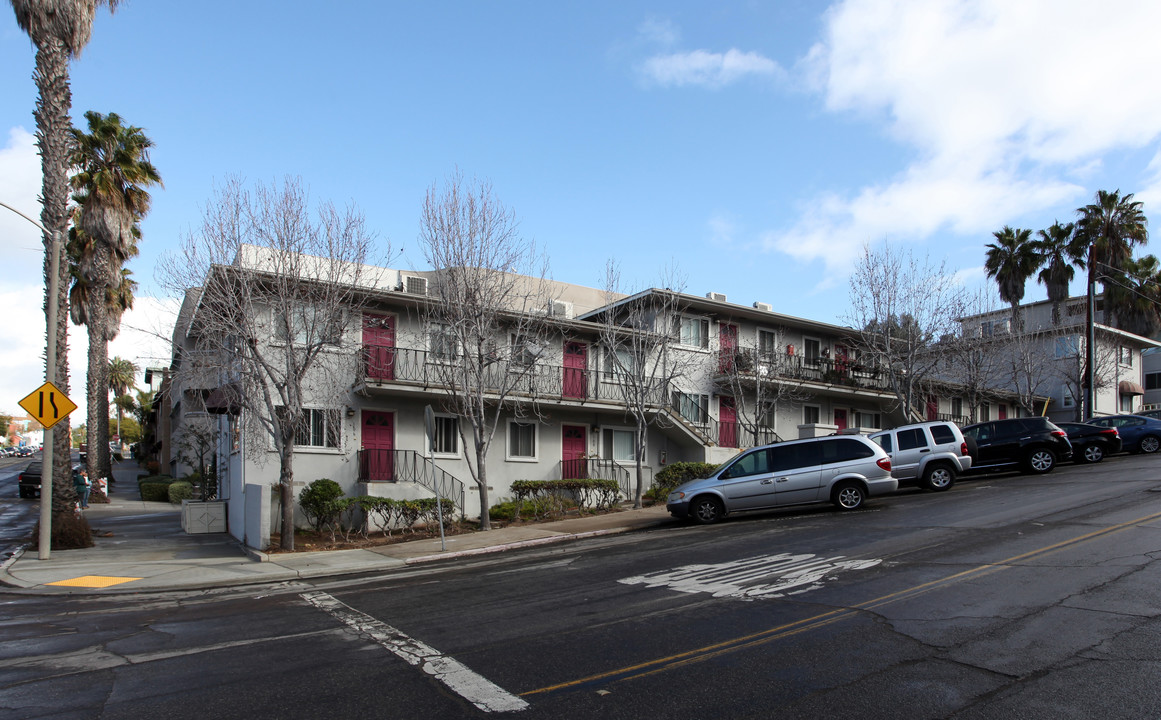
(415, 285)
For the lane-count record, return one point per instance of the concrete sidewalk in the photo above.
(140, 546)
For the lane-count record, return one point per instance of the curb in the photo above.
(514, 545)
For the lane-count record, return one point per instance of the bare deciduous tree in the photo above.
(488, 313)
(976, 361)
(281, 287)
(1069, 366)
(903, 305)
(639, 336)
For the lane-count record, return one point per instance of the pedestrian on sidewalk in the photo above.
(83, 487)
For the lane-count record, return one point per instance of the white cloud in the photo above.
(1002, 103)
(658, 31)
(707, 69)
(20, 188)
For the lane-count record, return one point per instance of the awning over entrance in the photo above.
(223, 401)
(1128, 387)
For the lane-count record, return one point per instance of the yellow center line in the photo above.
(814, 622)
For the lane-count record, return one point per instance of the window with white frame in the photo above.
(767, 343)
(957, 407)
(618, 362)
(1066, 398)
(1067, 346)
(811, 414)
(1125, 356)
(691, 331)
(1126, 403)
(811, 350)
(442, 342)
(521, 440)
(317, 427)
(308, 325)
(868, 419)
(524, 351)
(618, 445)
(692, 406)
(447, 436)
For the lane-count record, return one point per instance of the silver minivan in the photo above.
(842, 469)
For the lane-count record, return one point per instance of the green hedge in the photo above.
(157, 491)
(549, 498)
(180, 490)
(677, 473)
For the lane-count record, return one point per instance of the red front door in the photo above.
(379, 346)
(840, 419)
(728, 344)
(932, 407)
(727, 423)
(572, 452)
(575, 383)
(377, 463)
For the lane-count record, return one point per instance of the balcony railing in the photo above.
(737, 435)
(383, 365)
(832, 371)
(394, 466)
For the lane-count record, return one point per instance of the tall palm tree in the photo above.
(1138, 293)
(1055, 247)
(59, 30)
(113, 172)
(122, 378)
(1106, 233)
(1011, 260)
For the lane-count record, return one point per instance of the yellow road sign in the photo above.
(48, 405)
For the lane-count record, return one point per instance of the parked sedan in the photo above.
(1139, 434)
(1090, 443)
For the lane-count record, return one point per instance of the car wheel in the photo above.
(706, 510)
(849, 496)
(938, 477)
(1150, 444)
(1040, 461)
(1093, 453)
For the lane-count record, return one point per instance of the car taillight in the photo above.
(963, 448)
(1059, 433)
(884, 463)
(1110, 431)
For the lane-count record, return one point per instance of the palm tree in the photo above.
(59, 31)
(1106, 233)
(1012, 259)
(1055, 247)
(122, 378)
(113, 170)
(1138, 295)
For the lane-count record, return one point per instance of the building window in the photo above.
(767, 343)
(618, 445)
(811, 350)
(442, 342)
(1126, 356)
(1126, 403)
(985, 412)
(521, 440)
(447, 436)
(1067, 346)
(618, 363)
(317, 427)
(308, 325)
(692, 331)
(692, 407)
(868, 420)
(524, 351)
(1066, 399)
(811, 414)
(956, 408)
(1153, 381)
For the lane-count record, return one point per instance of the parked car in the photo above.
(1091, 443)
(1138, 433)
(933, 454)
(1150, 413)
(24, 451)
(29, 481)
(1033, 444)
(844, 470)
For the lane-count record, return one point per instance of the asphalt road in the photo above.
(1009, 596)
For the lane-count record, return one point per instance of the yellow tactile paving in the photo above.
(93, 581)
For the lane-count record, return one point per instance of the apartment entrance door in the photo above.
(575, 364)
(377, 458)
(572, 452)
(727, 423)
(379, 346)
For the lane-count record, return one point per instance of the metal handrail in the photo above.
(835, 371)
(597, 469)
(395, 466)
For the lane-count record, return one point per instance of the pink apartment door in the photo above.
(378, 463)
(727, 423)
(572, 452)
(840, 419)
(379, 346)
(575, 370)
(728, 343)
(932, 407)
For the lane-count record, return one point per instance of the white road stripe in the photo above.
(791, 575)
(477, 690)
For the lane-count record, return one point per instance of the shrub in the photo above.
(180, 490)
(155, 491)
(552, 497)
(677, 473)
(320, 502)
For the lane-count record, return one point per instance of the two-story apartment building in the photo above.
(1055, 357)
(734, 376)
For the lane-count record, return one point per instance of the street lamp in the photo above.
(45, 537)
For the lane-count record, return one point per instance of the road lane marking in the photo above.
(791, 575)
(658, 665)
(477, 690)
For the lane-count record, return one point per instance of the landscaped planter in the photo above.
(199, 517)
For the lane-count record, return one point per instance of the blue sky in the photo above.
(756, 146)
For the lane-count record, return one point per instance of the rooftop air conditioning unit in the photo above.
(719, 297)
(764, 307)
(415, 285)
(560, 308)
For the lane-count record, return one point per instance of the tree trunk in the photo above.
(640, 492)
(286, 493)
(482, 479)
(52, 138)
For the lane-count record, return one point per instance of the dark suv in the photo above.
(1034, 444)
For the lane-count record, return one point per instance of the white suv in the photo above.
(932, 453)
